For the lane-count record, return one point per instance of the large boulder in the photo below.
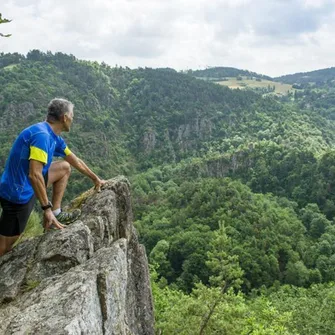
(90, 278)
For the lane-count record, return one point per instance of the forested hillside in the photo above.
(217, 73)
(233, 192)
(317, 76)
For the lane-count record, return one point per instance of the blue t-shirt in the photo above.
(37, 142)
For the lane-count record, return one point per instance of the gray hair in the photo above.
(57, 108)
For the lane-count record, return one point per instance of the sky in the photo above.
(271, 37)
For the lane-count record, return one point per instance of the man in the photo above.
(29, 170)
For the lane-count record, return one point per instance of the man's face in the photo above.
(68, 118)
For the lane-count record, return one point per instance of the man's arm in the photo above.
(38, 184)
(79, 165)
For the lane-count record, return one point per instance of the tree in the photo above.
(159, 258)
(226, 273)
(3, 20)
(225, 268)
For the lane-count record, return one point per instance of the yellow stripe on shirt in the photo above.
(67, 151)
(38, 155)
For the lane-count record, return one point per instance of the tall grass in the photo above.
(34, 227)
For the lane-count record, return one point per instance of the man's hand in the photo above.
(98, 183)
(49, 220)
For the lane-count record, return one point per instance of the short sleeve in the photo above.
(61, 149)
(39, 147)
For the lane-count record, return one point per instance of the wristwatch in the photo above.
(49, 205)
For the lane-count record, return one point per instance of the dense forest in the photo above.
(233, 192)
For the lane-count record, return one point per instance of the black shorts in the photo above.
(14, 217)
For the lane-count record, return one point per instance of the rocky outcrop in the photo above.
(178, 140)
(189, 134)
(89, 278)
(149, 141)
(15, 112)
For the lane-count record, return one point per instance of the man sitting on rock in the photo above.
(29, 170)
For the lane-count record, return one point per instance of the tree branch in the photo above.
(3, 20)
(205, 322)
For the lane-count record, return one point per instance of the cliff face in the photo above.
(90, 278)
(178, 140)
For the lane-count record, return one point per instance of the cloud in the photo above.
(266, 36)
(273, 21)
(288, 20)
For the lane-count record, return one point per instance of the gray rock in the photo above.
(149, 141)
(16, 112)
(58, 251)
(109, 214)
(140, 317)
(90, 278)
(13, 269)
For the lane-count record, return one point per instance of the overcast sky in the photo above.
(269, 37)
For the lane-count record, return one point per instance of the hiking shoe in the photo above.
(68, 217)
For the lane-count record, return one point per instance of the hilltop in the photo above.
(219, 73)
(243, 79)
(317, 76)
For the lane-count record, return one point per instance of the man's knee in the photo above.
(58, 170)
(67, 168)
(64, 169)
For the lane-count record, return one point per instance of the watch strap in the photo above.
(49, 205)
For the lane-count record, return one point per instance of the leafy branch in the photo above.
(3, 20)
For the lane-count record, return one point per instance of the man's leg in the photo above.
(58, 176)
(6, 243)
(13, 221)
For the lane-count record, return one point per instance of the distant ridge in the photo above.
(218, 73)
(322, 75)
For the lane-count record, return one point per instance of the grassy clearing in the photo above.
(9, 67)
(280, 88)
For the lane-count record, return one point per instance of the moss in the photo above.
(30, 285)
(79, 201)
